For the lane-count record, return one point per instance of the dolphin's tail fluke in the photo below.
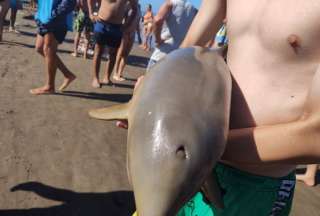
(116, 112)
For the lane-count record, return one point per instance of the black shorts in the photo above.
(108, 34)
(58, 31)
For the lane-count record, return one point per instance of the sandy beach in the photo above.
(54, 159)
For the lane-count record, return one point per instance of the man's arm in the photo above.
(291, 143)
(159, 20)
(91, 4)
(130, 19)
(206, 23)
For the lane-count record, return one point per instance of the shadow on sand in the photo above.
(11, 43)
(120, 203)
(138, 61)
(303, 171)
(121, 98)
(17, 44)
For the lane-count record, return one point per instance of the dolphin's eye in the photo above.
(181, 152)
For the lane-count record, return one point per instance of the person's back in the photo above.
(179, 20)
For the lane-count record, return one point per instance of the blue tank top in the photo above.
(44, 13)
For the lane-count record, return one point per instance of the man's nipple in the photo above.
(294, 41)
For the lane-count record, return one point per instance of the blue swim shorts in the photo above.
(108, 34)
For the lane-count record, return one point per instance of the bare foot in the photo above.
(42, 90)
(118, 78)
(67, 82)
(142, 46)
(106, 81)
(13, 30)
(96, 84)
(74, 54)
(308, 180)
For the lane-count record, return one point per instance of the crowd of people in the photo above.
(114, 26)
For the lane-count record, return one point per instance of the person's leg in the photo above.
(110, 65)
(49, 50)
(39, 45)
(4, 7)
(13, 17)
(68, 76)
(119, 59)
(86, 44)
(138, 33)
(98, 50)
(76, 44)
(309, 178)
(125, 55)
(149, 37)
(145, 39)
(45, 47)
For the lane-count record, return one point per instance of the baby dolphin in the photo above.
(178, 124)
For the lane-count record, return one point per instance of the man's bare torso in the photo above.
(112, 11)
(273, 55)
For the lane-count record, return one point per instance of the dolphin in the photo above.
(178, 123)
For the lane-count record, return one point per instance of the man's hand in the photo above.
(159, 42)
(94, 18)
(124, 124)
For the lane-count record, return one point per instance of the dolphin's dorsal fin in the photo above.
(116, 112)
(212, 191)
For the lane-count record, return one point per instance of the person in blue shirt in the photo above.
(54, 19)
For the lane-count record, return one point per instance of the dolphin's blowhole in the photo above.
(181, 152)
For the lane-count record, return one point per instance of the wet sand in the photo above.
(54, 159)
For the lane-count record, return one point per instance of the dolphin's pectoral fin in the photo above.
(212, 191)
(116, 112)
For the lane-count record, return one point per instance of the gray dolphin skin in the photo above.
(178, 124)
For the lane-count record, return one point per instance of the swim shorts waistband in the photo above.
(109, 23)
(230, 175)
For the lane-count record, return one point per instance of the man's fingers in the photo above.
(122, 124)
(138, 82)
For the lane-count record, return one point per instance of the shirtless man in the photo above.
(275, 114)
(108, 30)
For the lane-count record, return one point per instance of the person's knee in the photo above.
(98, 49)
(48, 49)
(39, 49)
(113, 54)
(45, 50)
